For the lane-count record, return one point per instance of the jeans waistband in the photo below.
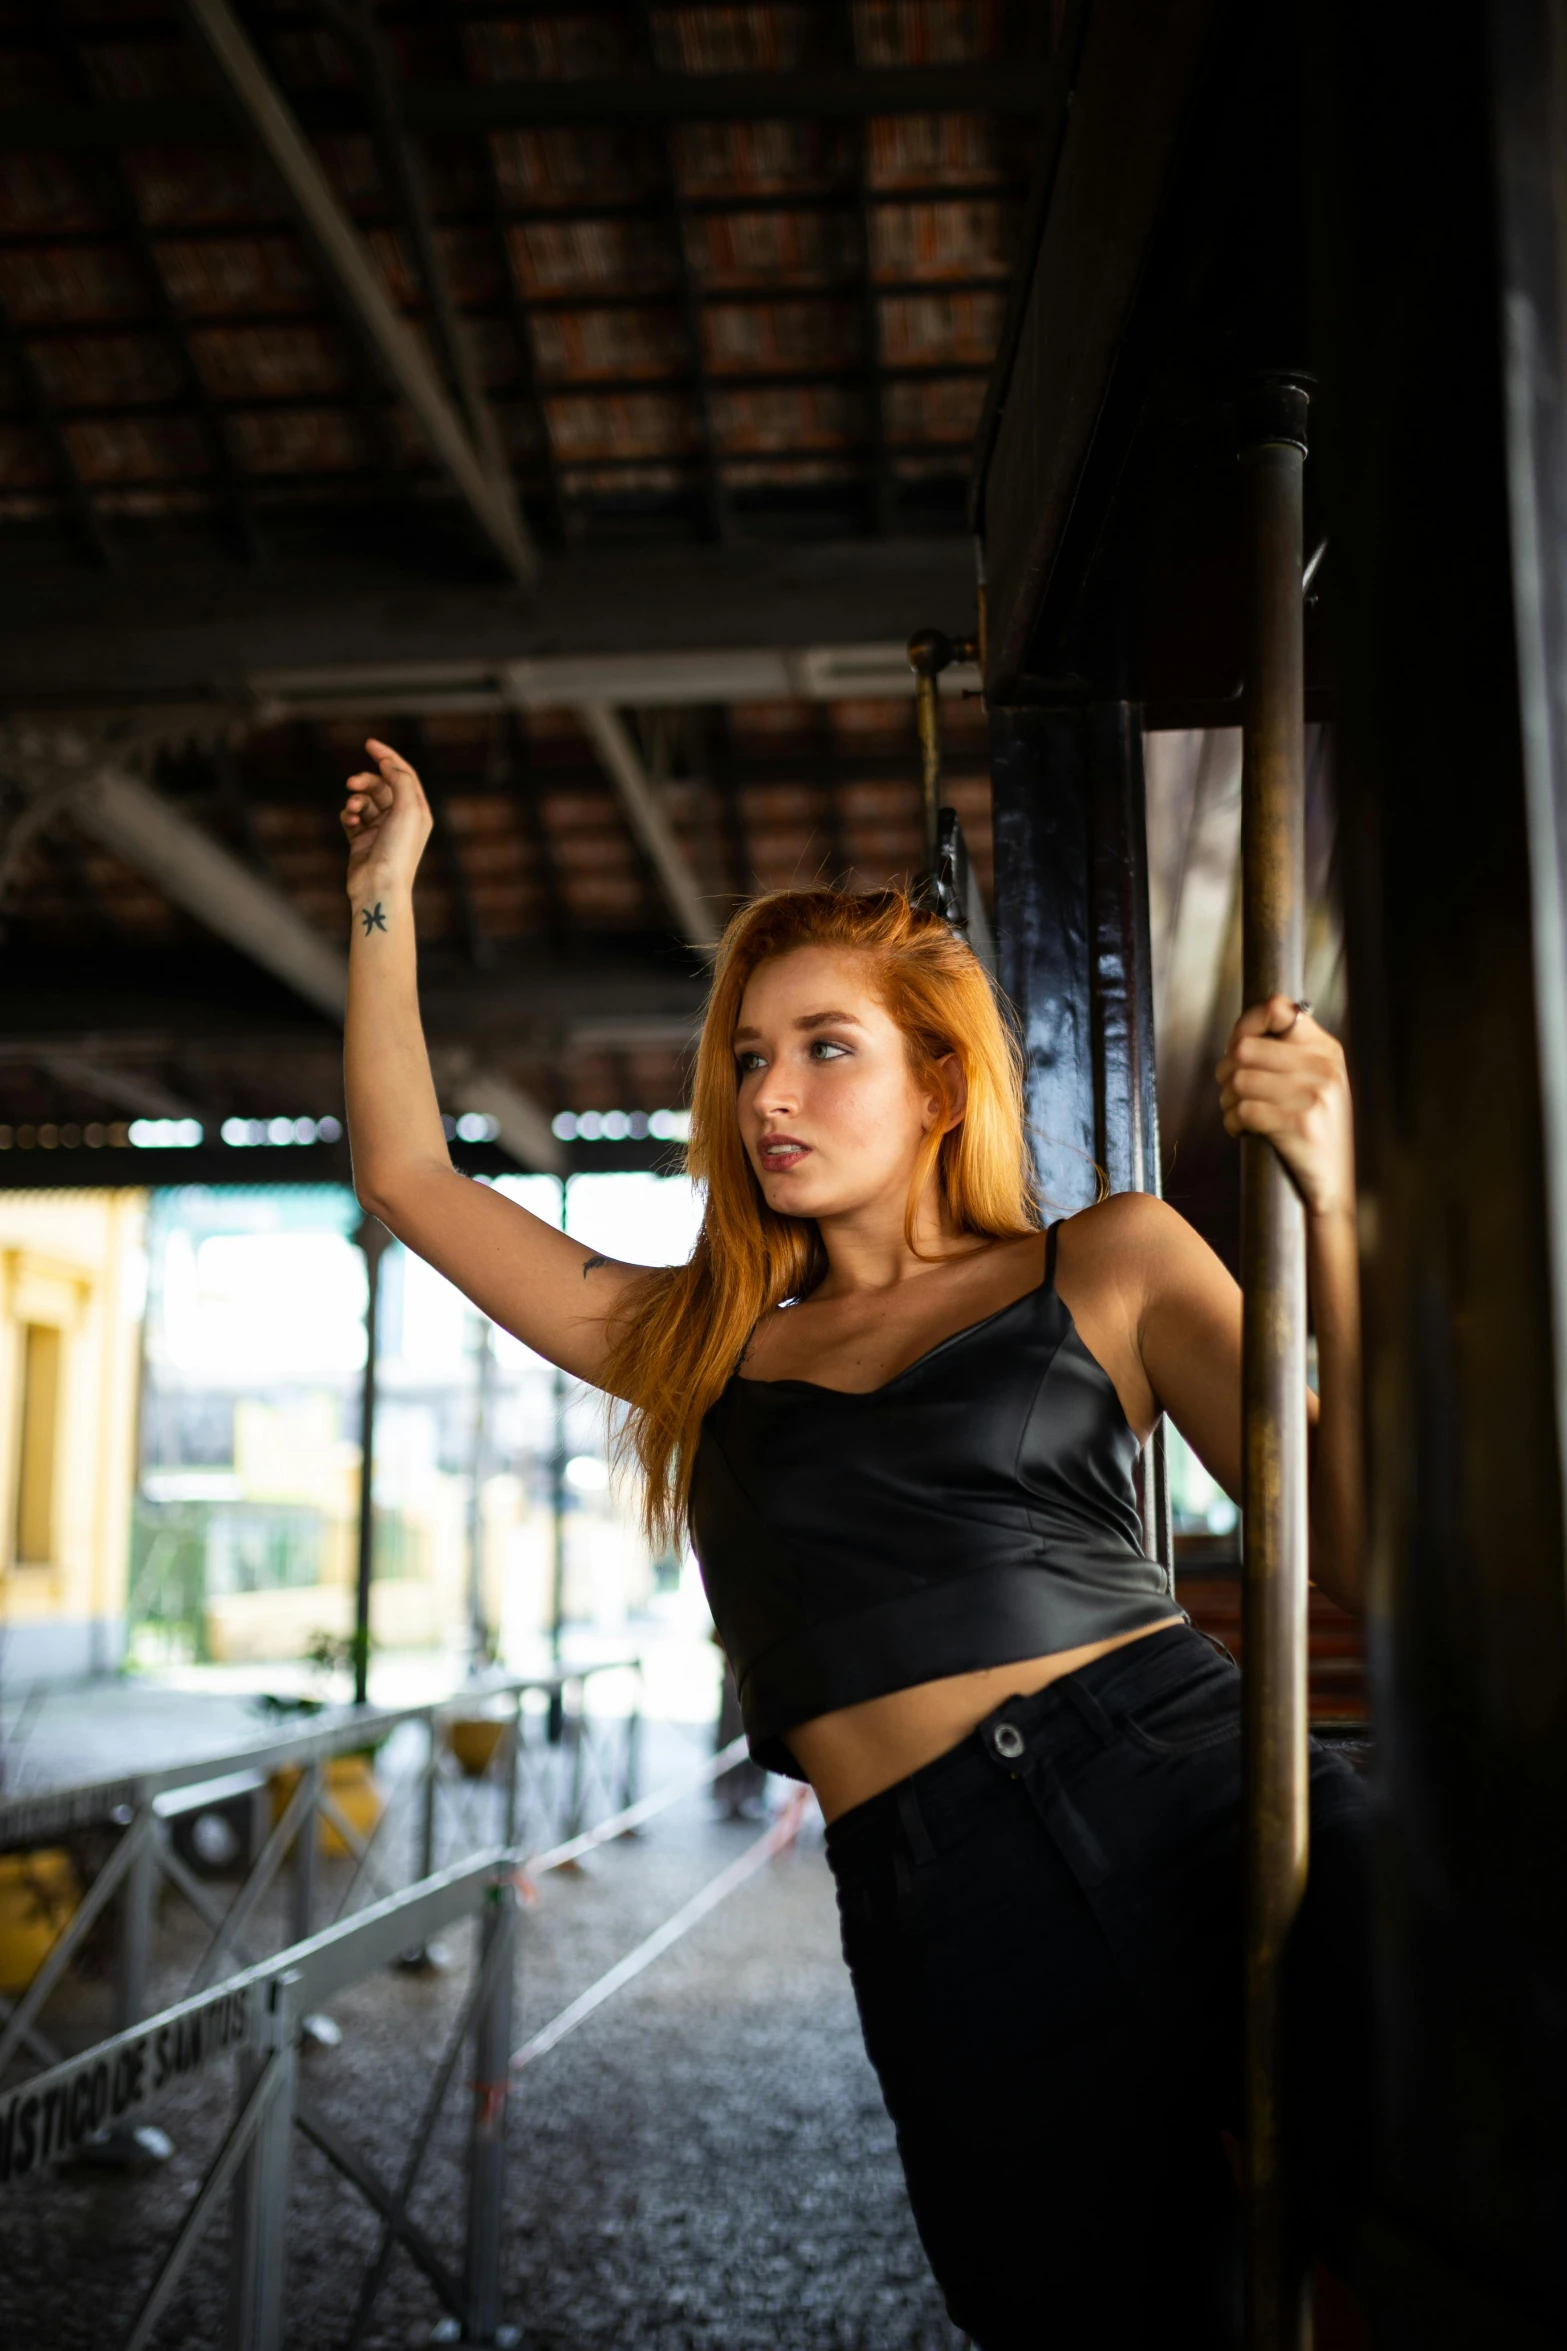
(929, 1809)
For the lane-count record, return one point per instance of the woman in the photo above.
(901, 1423)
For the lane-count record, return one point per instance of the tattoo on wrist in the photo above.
(372, 918)
(590, 1265)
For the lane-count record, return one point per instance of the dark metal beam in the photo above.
(1134, 86)
(1439, 225)
(613, 388)
(835, 94)
(186, 626)
(589, 208)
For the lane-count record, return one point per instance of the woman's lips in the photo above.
(781, 1152)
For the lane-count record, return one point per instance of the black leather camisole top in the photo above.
(975, 1509)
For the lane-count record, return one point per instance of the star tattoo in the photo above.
(372, 918)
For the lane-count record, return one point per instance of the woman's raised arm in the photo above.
(551, 1292)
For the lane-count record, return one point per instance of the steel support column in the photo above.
(1273, 1277)
(487, 2140)
(258, 2245)
(1073, 960)
(373, 1239)
(133, 1965)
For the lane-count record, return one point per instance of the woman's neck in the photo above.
(868, 1248)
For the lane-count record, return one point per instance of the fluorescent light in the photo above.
(165, 1134)
(477, 1126)
(253, 1134)
(615, 1126)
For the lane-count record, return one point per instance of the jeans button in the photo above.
(1007, 1740)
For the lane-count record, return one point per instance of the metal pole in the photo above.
(484, 1378)
(513, 1768)
(558, 1504)
(373, 1238)
(135, 1927)
(258, 2244)
(305, 1855)
(575, 1730)
(432, 1767)
(929, 654)
(492, 2040)
(1273, 1274)
(633, 1743)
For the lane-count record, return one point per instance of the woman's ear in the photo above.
(946, 1109)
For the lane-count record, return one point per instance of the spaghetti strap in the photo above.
(1051, 1231)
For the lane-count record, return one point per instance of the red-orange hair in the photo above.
(686, 1328)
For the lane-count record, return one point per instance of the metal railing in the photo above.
(254, 2018)
(536, 1788)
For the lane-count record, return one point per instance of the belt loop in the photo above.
(912, 1822)
(1088, 1706)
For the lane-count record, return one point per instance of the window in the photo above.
(38, 1448)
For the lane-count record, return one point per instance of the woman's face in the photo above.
(831, 1112)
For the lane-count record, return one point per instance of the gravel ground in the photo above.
(704, 2165)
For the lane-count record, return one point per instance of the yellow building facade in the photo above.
(72, 1282)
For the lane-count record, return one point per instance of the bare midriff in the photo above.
(856, 1752)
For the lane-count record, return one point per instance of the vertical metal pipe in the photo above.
(133, 1959)
(487, 2141)
(479, 1641)
(513, 1745)
(304, 1901)
(930, 652)
(633, 1741)
(1273, 1275)
(558, 1498)
(258, 2241)
(373, 1238)
(926, 719)
(432, 1772)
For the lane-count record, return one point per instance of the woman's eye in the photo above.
(823, 1049)
(746, 1063)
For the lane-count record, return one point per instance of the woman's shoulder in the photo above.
(1122, 1238)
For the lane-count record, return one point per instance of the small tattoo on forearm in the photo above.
(372, 918)
(590, 1265)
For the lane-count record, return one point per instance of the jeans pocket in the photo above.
(1188, 1716)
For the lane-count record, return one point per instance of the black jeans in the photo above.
(1043, 1928)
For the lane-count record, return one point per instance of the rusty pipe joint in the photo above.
(1275, 411)
(931, 651)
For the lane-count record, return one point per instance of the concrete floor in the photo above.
(705, 2165)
